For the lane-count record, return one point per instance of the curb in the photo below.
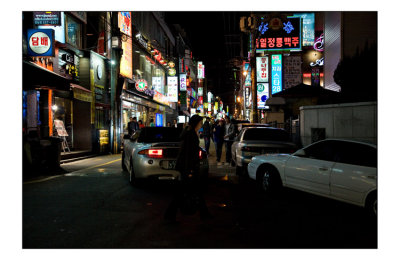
(78, 158)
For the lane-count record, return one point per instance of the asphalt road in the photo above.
(94, 206)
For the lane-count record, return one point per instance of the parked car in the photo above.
(152, 152)
(252, 141)
(338, 169)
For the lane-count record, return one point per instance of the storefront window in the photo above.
(73, 28)
(62, 111)
(133, 110)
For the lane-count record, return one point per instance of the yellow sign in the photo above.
(126, 59)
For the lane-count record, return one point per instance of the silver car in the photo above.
(252, 141)
(152, 152)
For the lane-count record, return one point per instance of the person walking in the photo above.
(228, 139)
(207, 134)
(219, 138)
(133, 126)
(175, 123)
(169, 124)
(188, 165)
(152, 123)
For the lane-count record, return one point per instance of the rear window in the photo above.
(159, 134)
(266, 134)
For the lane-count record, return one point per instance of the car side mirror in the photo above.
(300, 153)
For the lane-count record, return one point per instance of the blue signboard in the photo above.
(276, 73)
(159, 120)
(40, 42)
(308, 20)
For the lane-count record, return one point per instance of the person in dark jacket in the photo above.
(207, 134)
(219, 138)
(228, 138)
(188, 164)
(133, 126)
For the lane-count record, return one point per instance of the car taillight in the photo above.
(152, 153)
(202, 155)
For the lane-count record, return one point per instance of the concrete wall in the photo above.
(356, 121)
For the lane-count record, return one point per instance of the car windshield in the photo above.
(159, 134)
(266, 134)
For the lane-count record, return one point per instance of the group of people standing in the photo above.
(220, 132)
(135, 125)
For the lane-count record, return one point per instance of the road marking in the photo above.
(53, 177)
(42, 180)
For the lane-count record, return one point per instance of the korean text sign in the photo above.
(262, 69)
(173, 89)
(288, 37)
(276, 73)
(41, 42)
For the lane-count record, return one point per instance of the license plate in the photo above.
(171, 165)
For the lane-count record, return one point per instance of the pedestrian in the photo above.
(175, 124)
(207, 133)
(188, 164)
(219, 138)
(133, 126)
(141, 125)
(152, 123)
(228, 138)
(169, 124)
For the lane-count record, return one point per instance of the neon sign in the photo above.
(276, 71)
(319, 43)
(288, 27)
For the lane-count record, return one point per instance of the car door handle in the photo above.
(323, 169)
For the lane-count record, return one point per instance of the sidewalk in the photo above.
(223, 169)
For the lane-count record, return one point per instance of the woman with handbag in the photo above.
(188, 193)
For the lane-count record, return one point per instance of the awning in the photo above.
(81, 93)
(34, 76)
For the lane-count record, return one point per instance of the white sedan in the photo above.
(338, 169)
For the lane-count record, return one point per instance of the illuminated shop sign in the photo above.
(141, 85)
(41, 42)
(159, 120)
(124, 22)
(276, 73)
(262, 95)
(182, 82)
(172, 72)
(47, 18)
(262, 69)
(247, 97)
(319, 43)
(173, 89)
(287, 37)
(157, 84)
(200, 70)
(247, 68)
(160, 98)
(308, 20)
(200, 90)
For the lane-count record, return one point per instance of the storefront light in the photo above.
(112, 62)
(54, 107)
(138, 35)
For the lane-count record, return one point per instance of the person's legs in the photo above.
(207, 143)
(170, 213)
(219, 150)
(228, 151)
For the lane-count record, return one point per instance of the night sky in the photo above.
(206, 35)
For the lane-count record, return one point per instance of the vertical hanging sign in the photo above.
(262, 69)
(182, 82)
(276, 73)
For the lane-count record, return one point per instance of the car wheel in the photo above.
(269, 180)
(132, 179)
(123, 163)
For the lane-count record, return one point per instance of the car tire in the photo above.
(123, 163)
(269, 180)
(132, 178)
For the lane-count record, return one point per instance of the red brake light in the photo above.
(152, 153)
